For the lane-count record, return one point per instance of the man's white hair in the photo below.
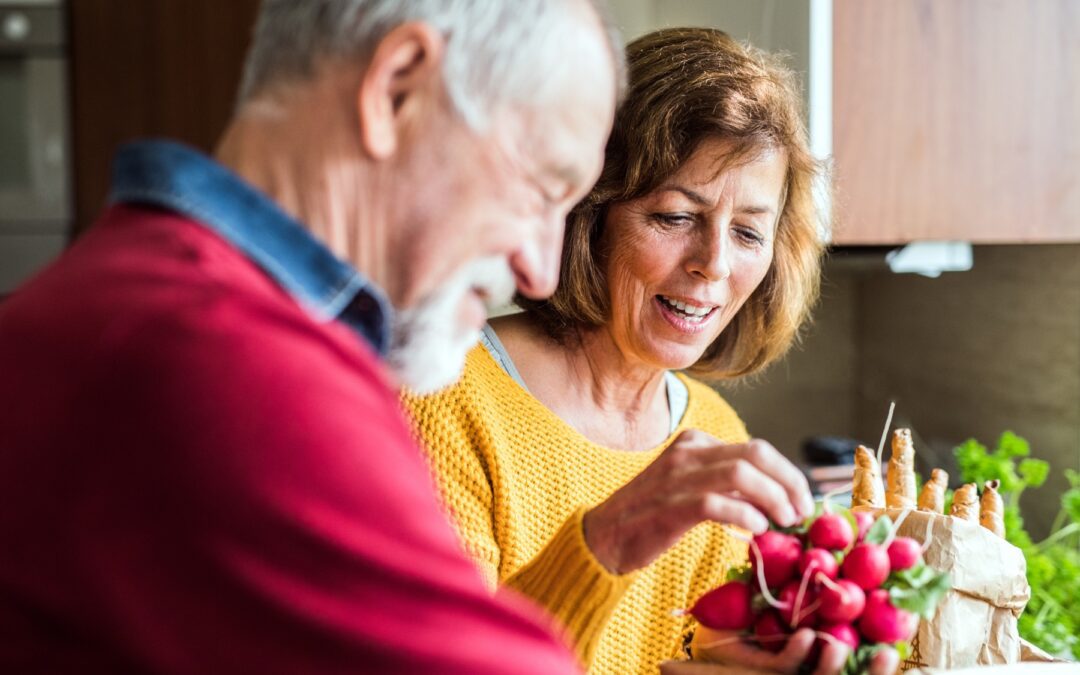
(497, 52)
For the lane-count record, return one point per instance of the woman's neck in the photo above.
(590, 384)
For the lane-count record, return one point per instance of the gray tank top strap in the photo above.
(495, 347)
(678, 396)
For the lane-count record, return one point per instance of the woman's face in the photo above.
(684, 258)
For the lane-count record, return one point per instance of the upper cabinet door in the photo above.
(956, 119)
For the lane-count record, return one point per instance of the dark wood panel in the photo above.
(149, 68)
(957, 120)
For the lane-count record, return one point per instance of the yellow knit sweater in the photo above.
(517, 481)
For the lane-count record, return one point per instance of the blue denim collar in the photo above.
(173, 176)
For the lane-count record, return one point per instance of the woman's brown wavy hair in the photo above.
(686, 85)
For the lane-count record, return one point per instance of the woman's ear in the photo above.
(405, 68)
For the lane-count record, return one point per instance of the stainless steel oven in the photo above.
(35, 191)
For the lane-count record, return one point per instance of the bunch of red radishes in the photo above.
(843, 574)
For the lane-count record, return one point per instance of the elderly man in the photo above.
(202, 461)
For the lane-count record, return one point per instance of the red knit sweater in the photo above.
(196, 477)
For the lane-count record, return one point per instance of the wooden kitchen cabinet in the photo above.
(956, 119)
(149, 68)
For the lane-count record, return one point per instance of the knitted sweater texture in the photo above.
(517, 481)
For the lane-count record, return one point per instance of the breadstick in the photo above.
(965, 503)
(992, 509)
(866, 488)
(932, 497)
(900, 492)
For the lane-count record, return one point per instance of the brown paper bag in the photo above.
(975, 624)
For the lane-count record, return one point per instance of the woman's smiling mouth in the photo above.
(685, 316)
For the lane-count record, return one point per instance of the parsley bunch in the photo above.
(1052, 617)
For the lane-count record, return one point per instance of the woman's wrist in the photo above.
(597, 537)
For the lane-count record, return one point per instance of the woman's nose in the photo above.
(711, 261)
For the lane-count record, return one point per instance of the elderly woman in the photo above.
(580, 467)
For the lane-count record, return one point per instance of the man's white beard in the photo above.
(428, 347)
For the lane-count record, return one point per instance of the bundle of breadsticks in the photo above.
(899, 491)
(976, 622)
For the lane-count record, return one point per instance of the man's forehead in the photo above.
(558, 146)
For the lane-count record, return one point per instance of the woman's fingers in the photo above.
(885, 662)
(769, 460)
(734, 649)
(696, 479)
(832, 659)
(750, 482)
(795, 652)
(719, 508)
(694, 450)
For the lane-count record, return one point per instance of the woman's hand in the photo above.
(732, 649)
(697, 478)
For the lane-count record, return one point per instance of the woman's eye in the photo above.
(749, 235)
(673, 219)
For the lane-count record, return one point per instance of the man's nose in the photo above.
(536, 263)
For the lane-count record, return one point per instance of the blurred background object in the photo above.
(80, 77)
(830, 464)
(35, 200)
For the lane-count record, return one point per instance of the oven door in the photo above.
(33, 118)
(35, 194)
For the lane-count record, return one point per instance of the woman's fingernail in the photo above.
(788, 517)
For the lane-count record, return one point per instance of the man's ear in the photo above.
(403, 65)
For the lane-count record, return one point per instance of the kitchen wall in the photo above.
(965, 355)
(813, 391)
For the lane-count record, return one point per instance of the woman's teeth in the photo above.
(692, 313)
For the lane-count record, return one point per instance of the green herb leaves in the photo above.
(918, 590)
(1052, 617)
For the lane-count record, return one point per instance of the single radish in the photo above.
(841, 602)
(725, 608)
(867, 565)
(821, 560)
(770, 632)
(882, 622)
(790, 602)
(904, 553)
(831, 531)
(864, 520)
(836, 632)
(844, 632)
(779, 556)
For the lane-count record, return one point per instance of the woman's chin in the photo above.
(678, 359)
